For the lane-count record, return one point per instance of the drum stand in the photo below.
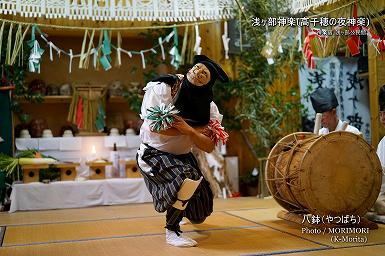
(298, 218)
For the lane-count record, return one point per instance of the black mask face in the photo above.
(193, 102)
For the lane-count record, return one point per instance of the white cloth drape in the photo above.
(74, 194)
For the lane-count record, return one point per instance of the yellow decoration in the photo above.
(1, 36)
(92, 97)
(9, 46)
(18, 44)
(90, 46)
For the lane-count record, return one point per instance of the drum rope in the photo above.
(287, 177)
(277, 196)
(291, 145)
(294, 146)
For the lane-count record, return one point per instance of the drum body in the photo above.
(334, 174)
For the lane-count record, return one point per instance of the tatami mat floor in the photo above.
(239, 226)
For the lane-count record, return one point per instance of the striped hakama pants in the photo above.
(168, 171)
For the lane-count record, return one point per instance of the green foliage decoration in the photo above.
(15, 76)
(262, 115)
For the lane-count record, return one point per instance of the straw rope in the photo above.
(110, 28)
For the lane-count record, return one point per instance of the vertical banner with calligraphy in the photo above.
(352, 91)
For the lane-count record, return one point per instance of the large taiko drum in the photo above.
(334, 174)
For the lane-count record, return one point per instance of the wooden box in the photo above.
(98, 170)
(132, 169)
(31, 172)
(67, 171)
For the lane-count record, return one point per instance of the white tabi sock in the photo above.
(179, 241)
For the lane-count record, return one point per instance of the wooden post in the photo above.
(373, 96)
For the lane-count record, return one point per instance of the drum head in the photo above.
(281, 146)
(342, 175)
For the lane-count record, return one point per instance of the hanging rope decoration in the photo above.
(99, 54)
(103, 50)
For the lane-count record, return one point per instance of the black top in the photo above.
(323, 100)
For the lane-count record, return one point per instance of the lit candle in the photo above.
(93, 153)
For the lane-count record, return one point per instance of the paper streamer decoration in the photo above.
(374, 40)
(161, 117)
(118, 62)
(105, 60)
(80, 114)
(299, 38)
(95, 58)
(71, 58)
(218, 132)
(36, 52)
(160, 42)
(354, 42)
(308, 53)
(355, 28)
(100, 118)
(197, 48)
(143, 60)
(176, 58)
(50, 45)
(169, 36)
(225, 40)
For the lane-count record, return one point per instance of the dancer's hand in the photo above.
(200, 140)
(181, 125)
